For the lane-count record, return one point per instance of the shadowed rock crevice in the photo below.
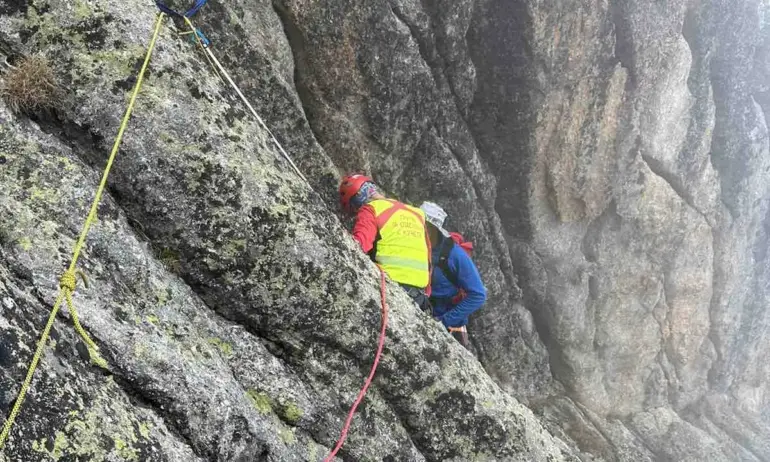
(623, 52)
(138, 396)
(299, 52)
(426, 41)
(501, 117)
(676, 185)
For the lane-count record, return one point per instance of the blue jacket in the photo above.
(442, 290)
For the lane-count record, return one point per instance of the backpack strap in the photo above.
(443, 262)
(396, 206)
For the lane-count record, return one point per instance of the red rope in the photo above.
(368, 382)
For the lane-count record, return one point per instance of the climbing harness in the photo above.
(69, 278)
(362, 393)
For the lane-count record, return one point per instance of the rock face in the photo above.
(235, 313)
(609, 160)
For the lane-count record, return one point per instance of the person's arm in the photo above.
(365, 229)
(470, 281)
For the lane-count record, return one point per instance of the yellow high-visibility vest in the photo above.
(403, 248)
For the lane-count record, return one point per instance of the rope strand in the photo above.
(368, 382)
(261, 122)
(69, 279)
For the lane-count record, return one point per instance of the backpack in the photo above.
(459, 240)
(443, 263)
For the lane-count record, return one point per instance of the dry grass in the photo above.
(30, 86)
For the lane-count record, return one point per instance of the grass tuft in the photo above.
(31, 86)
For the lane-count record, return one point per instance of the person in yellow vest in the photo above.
(392, 233)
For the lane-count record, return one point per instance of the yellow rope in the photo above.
(69, 278)
(67, 284)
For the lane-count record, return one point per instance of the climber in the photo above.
(393, 234)
(456, 286)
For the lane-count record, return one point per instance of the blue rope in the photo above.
(190, 13)
(204, 40)
(166, 9)
(198, 5)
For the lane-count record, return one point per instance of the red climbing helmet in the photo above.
(349, 188)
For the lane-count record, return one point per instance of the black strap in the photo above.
(419, 297)
(443, 261)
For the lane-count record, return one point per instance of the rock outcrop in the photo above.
(609, 160)
(236, 315)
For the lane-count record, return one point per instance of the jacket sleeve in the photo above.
(365, 229)
(470, 281)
